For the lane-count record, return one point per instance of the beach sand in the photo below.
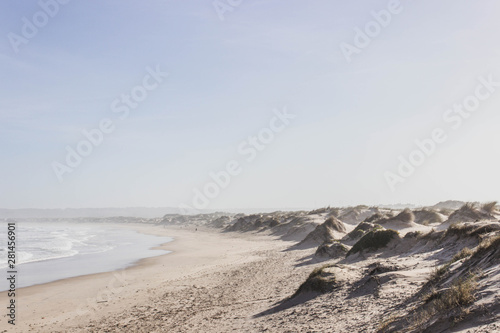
(71, 304)
(217, 281)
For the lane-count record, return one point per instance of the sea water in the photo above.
(50, 251)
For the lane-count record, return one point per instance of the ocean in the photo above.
(50, 251)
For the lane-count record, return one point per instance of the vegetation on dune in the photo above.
(324, 232)
(374, 240)
(361, 229)
(319, 211)
(414, 234)
(456, 298)
(335, 212)
(335, 224)
(432, 235)
(490, 207)
(491, 244)
(438, 272)
(470, 230)
(464, 253)
(375, 217)
(335, 250)
(458, 229)
(470, 213)
(354, 214)
(426, 217)
(273, 222)
(405, 216)
(461, 293)
(319, 281)
(453, 299)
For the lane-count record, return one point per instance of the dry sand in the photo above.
(71, 304)
(227, 282)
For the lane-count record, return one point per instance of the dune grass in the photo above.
(438, 272)
(458, 296)
(319, 281)
(487, 245)
(374, 240)
(464, 253)
(361, 229)
(490, 207)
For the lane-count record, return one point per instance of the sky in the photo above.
(248, 104)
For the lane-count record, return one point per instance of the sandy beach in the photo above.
(71, 304)
(291, 272)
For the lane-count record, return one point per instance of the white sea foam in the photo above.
(48, 251)
(44, 241)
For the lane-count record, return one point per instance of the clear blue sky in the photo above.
(225, 78)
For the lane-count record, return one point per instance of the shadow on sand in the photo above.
(288, 303)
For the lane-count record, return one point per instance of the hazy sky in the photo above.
(72, 69)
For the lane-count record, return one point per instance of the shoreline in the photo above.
(70, 302)
(113, 258)
(259, 278)
(129, 266)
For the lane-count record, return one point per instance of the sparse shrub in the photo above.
(374, 240)
(384, 324)
(273, 222)
(426, 217)
(375, 217)
(469, 230)
(432, 235)
(431, 295)
(438, 272)
(461, 293)
(319, 281)
(490, 207)
(469, 206)
(469, 213)
(335, 250)
(414, 234)
(324, 232)
(360, 230)
(406, 216)
(335, 224)
(379, 268)
(489, 244)
(335, 212)
(464, 253)
(457, 229)
(486, 229)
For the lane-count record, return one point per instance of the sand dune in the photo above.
(240, 273)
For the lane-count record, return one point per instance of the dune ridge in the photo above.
(426, 269)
